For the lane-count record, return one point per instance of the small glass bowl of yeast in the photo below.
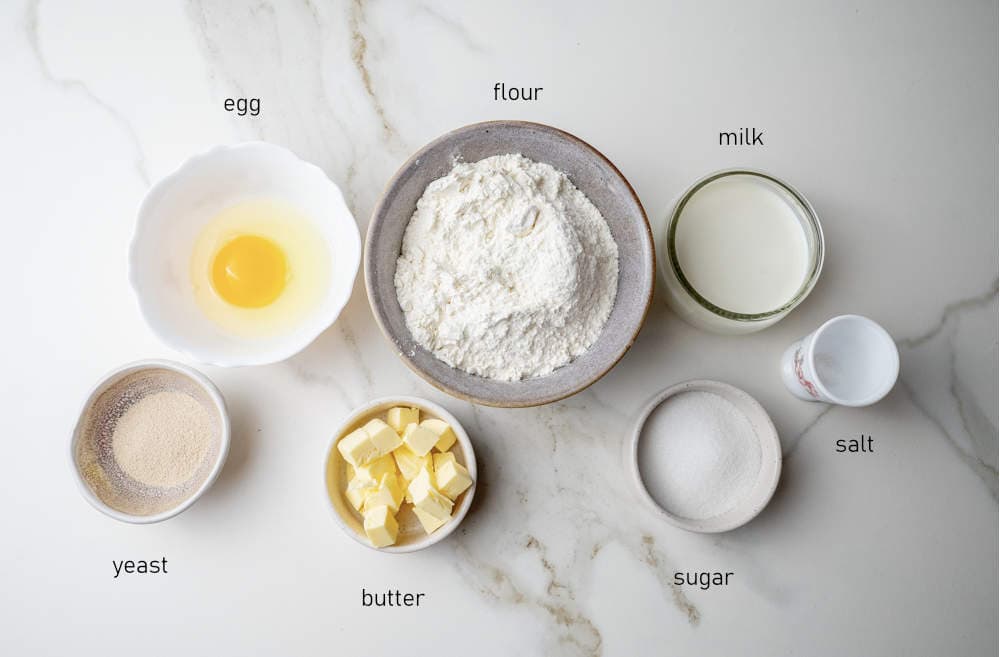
(151, 438)
(742, 249)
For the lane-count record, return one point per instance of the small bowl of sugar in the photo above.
(704, 456)
(151, 438)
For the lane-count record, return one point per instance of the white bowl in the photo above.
(770, 459)
(195, 382)
(176, 210)
(412, 536)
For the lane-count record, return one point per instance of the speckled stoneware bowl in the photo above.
(594, 175)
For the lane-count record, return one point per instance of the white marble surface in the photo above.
(883, 114)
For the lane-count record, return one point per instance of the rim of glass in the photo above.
(812, 220)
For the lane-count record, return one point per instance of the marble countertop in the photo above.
(883, 114)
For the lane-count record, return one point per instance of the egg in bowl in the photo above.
(258, 267)
(244, 255)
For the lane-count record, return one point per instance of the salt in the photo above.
(699, 455)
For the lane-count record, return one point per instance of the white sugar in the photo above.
(698, 455)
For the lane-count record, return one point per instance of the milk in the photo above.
(741, 245)
(747, 245)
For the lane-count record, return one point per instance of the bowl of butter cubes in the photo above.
(400, 474)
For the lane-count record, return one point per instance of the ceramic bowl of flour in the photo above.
(625, 307)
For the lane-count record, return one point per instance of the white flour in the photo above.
(507, 270)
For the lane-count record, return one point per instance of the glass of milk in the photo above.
(742, 249)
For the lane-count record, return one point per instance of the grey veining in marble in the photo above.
(882, 114)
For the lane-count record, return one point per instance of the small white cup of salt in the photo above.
(704, 456)
(850, 360)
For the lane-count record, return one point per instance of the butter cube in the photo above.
(420, 439)
(373, 471)
(358, 489)
(381, 526)
(409, 464)
(427, 499)
(426, 469)
(446, 437)
(423, 481)
(357, 496)
(389, 493)
(382, 436)
(429, 522)
(452, 478)
(442, 458)
(400, 416)
(357, 447)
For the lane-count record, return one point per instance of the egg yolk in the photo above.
(249, 271)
